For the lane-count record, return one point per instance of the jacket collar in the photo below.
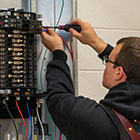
(125, 98)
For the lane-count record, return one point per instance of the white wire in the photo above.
(42, 129)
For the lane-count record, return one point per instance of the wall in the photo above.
(10, 4)
(111, 20)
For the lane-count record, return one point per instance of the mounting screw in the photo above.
(18, 98)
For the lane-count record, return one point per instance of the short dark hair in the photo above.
(129, 57)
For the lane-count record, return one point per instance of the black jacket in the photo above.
(81, 118)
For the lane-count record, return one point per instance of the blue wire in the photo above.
(44, 30)
(30, 120)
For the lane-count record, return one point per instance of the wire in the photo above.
(70, 51)
(71, 40)
(30, 120)
(60, 13)
(25, 138)
(44, 30)
(12, 119)
(43, 135)
(67, 47)
(49, 121)
(60, 136)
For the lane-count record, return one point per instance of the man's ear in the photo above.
(120, 74)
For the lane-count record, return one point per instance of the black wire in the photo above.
(12, 119)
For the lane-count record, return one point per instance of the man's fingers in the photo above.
(77, 21)
(48, 32)
(74, 33)
(51, 32)
(44, 34)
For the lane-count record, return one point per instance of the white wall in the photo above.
(111, 20)
(10, 3)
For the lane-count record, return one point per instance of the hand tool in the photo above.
(65, 27)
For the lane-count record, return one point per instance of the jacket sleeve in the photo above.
(66, 109)
(60, 90)
(106, 51)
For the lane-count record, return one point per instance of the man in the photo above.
(80, 118)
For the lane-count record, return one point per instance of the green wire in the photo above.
(46, 49)
(49, 121)
(60, 13)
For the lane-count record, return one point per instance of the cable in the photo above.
(22, 120)
(30, 120)
(57, 25)
(60, 136)
(43, 135)
(70, 51)
(60, 13)
(12, 119)
(67, 47)
(49, 121)
(44, 30)
(71, 40)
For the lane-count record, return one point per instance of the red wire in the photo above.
(67, 47)
(60, 136)
(22, 120)
(71, 39)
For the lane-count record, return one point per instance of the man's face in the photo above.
(109, 72)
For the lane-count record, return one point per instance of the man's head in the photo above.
(127, 55)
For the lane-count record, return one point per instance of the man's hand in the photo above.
(88, 36)
(52, 41)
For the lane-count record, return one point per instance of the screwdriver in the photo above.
(65, 27)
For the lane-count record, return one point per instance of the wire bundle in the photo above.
(12, 119)
(22, 120)
(25, 138)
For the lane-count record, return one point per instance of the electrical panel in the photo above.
(18, 52)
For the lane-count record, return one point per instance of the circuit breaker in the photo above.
(18, 52)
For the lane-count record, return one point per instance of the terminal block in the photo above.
(18, 52)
